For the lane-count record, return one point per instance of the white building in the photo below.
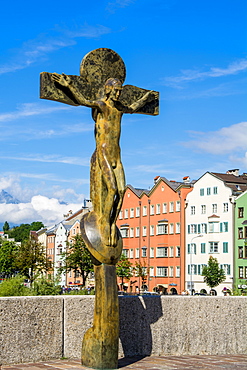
(60, 247)
(210, 227)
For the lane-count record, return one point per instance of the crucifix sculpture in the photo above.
(99, 87)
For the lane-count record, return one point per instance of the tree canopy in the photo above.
(77, 258)
(213, 274)
(8, 256)
(22, 232)
(124, 269)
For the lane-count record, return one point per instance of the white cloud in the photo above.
(224, 141)
(30, 109)
(197, 75)
(55, 158)
(47, 210)
(113, 5)
(36, 50)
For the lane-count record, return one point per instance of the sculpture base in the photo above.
(100, 343)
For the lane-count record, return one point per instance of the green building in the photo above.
(240, 265)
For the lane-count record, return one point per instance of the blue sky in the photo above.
(192, 52)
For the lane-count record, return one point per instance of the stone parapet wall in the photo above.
(42, 328)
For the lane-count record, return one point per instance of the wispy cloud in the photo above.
(226, 140)
(30, 109)
(50, 159)
(113, 5)
(213, 72)
(37, 50)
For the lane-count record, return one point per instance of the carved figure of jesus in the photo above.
(106, 165)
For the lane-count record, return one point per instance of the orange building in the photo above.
(152, 225)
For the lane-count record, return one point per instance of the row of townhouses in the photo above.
(175, 227)
(171, 231)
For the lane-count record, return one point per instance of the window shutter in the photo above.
(226, 226)
(221, 227)
(199, 269)
(198, 228)
(195, 229)
(228, 269)
(194, 248)
(188, 229)
(205, 228)
(195, 269)
(188, 248)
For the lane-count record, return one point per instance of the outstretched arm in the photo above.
(66, 81)
(141, 102)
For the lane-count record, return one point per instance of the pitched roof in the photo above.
(238, 184)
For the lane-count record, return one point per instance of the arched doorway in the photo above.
(173, 291)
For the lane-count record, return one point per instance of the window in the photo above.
(178, 206)
(151, 230)
(203, 209)
(213, 227)
(137, 232)
(224, 227)
(131, 253)
(137, 253)
(192, 269)
(131, 212)
(192, 248)
(157, 209)
(151, 271)
(171, 228)
(203, 228)
(192, 210)
(240, 272)
(192, 229)
(177, 251)
(213, 247)
(126, 213)
(164, 208)
(151, 209)
(226, 268)
(137, 211)
(124, 232)
(225, 207)
(214, 208)
(215, 190)
(171, 271)
(125, 252)
(240, 233)
(171, 207)
(225, 247)
(171, 252)
(208, 191)
(177, 271)
(240, 252)
(162, 271)
(203, 247)
(144, 251)
(144, 231)
(162, 252)
(131, 232)
(201, 192)
(162, 229)
(144, 211)
(151, 252)
(178, 228)
(240, 212)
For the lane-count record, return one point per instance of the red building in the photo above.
(152, 225)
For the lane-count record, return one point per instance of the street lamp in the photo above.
(197, 236)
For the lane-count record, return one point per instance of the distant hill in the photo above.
(7, 198)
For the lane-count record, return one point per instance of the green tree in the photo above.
(124, 269)
(43, 286)
(77, 258)
(22, 232)
(6, 227)
(31, 259)
(142, 271)
(8, 256)
(213, 274)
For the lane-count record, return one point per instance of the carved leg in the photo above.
(100, 343)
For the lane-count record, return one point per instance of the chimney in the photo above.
(234, 172)
(156, 179)
(186, 179)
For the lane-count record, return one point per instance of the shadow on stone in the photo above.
(137, 313)
(125, 361)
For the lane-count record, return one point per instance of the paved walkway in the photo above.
(231, 362)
